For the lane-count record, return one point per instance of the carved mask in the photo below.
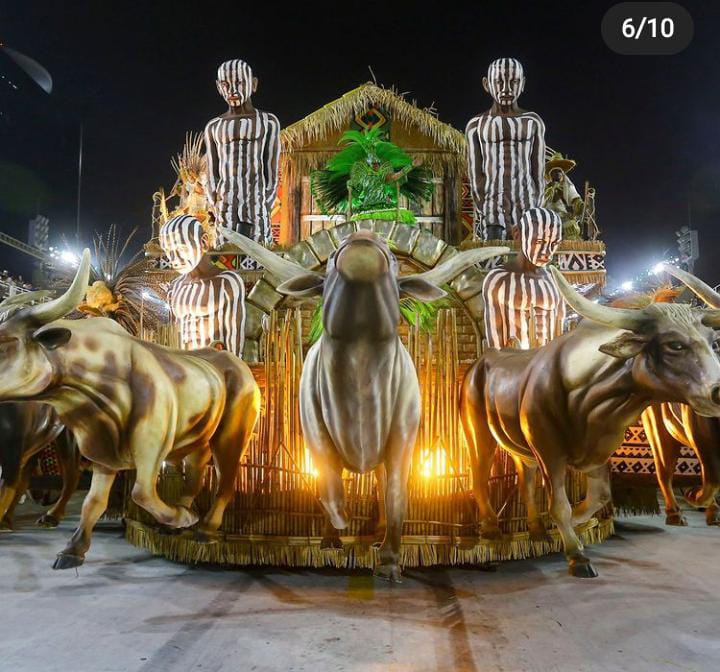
(505, 80)
(183, 240)
(540, 235)
(235, 82)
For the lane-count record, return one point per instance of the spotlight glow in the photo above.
(627, 286)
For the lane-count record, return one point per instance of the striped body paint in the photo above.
(506, 154)
(208, 305)
(524, 309)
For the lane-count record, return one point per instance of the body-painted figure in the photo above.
(208, 304)
(506, 154)
(523, 307)
(243, 150)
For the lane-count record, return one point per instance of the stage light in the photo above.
(627, 286)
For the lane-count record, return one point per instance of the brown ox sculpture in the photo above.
(130, 405)
(669, 426)
(25, 430)
(359, 392)
(568, 403)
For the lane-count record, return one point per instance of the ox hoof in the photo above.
(711, 515)
(389, 572)
(5, 527)
(581, 568)
(675, 518)
(47, 521)
(207, 537)
(186, 518)
(331, 544)
(538, 533)
(491, 533)
(67, 561)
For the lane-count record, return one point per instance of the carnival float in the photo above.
(356, 342)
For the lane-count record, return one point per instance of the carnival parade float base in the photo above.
(276, 517)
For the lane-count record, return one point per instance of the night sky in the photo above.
(138, 75)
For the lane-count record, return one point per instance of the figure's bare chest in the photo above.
(520, 291)
(195, 299)
(496, 131)
(237, 132)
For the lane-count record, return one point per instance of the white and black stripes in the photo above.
(506, 80)
(526, 309)
(207, 309)
(235, 82)
(242, 180)
(506, 155)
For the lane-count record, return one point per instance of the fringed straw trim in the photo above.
(416, 551)
(334, 117)
(588, 246)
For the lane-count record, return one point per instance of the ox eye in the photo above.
(716, 346)
(675, 346)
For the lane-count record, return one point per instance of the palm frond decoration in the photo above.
(123, 290)
(416, 313)
(376, 171)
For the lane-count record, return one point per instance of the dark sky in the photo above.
(644, 130)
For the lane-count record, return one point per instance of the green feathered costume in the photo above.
(374, 171)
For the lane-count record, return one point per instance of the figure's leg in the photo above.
(598, 495)
(561, 513)
(526, 472)
(482, 448)
(381, 482)
(666, 451)
(93, 507)
(69, 460)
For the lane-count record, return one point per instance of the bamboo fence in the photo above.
(276, 517)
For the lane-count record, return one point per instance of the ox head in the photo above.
(673, 346)
(361, 287)
(26, 336)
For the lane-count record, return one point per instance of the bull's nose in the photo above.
(715, 395)
(362, 262)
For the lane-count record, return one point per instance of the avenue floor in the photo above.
(655, 607)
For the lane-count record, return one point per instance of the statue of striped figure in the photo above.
(523, 307)
(243, 151)
(506, 154)
(208, 304)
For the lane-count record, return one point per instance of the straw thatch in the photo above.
(335, 117)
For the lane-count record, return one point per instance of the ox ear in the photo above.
(625, 346)
(50, 339)
(419, 288)
(307, 284)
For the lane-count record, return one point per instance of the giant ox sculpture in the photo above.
(671, 425)
(359, 392)
(25, 430)
(130, 405)
(567, 404)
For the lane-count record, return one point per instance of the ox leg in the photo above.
(561, 512)
(194, 466)
(666, 451)
(332, 497)
(229, 444)
(93, 507)
(598, 495)
(526, 472)
(381, 482)
(10, 500)
(69, 460)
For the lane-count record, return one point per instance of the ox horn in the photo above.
(24, 298)
(620, 318)
(699, 288)
(449, 269)
(711, 318)
(42, 313)
(280, 267)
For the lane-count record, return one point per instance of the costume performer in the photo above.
(506, 154)
(562, 196)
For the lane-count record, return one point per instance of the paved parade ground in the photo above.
(655, 607)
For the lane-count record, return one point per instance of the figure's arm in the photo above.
(231, 312)
(537, 161)
(574, 201)
(271, 160)
(493, 311)
(475, 164)
(212, 165)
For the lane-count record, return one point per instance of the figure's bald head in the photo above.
(540, 235)
(235, 82)
(184, 242)
(505, 80)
